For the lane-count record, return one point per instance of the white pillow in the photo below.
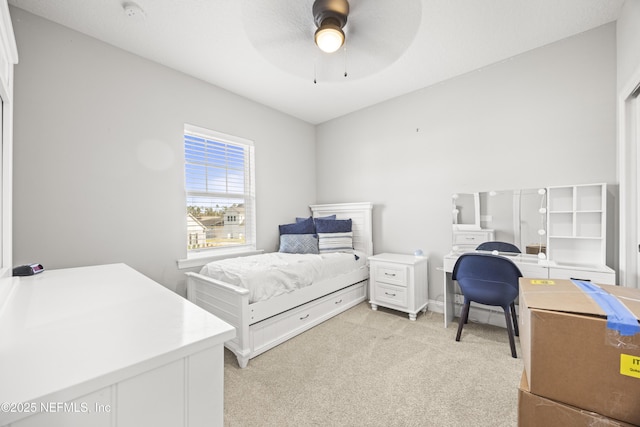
(335, 242)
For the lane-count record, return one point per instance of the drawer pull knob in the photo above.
(339, 302)
(390, 274)
(304, 317)
(391, 295)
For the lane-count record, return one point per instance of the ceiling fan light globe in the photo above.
(329, 38)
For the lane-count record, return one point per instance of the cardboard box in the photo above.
(536, 249)
(536, 411)
(573, 350)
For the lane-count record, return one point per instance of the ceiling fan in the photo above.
(330, 17)
(285, 33)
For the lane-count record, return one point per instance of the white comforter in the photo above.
(271, 274)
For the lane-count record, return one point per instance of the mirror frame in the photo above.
(484, 219)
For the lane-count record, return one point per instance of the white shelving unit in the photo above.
(576, 224)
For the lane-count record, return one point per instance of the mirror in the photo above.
(512, 216)
(466, 211)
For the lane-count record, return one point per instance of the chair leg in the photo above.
(515, 319)
(512, 341)
(463, 317)
(466, 317)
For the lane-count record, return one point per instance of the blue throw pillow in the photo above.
(298, 219)
(303, 227)
(333, 226)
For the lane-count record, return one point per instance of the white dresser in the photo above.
(399, 282)
(107, 346)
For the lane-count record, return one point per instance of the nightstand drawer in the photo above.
(390, 273)
(394, 295)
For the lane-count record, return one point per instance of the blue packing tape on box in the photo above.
(619, 318)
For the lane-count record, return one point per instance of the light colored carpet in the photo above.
(378, 368)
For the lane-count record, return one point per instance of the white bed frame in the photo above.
(265, 324)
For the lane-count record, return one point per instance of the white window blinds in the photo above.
(220, 190)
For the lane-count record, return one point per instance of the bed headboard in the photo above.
(360, 214)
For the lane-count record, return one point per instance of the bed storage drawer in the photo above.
(264, 335)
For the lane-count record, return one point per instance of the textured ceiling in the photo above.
(264, 51)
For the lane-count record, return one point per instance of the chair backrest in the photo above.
(486, 278)
(498, 246)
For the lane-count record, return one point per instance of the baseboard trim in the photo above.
(478, 313)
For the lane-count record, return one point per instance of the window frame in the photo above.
(201, 255)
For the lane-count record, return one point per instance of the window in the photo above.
(219, 179)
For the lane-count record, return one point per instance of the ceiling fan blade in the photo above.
(377, 32)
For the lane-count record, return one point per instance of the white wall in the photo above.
(628, 41)
(98, 154)
(546, 117)
(628, 67)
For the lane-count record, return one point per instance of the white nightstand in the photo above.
(399, 282)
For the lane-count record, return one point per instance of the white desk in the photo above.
(107, 346)
(530, 266)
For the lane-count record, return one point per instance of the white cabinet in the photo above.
(576, 223)
(107, 346)
(399, 282)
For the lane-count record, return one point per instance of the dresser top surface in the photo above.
(64, 328)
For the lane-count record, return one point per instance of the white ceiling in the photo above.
(264, 51)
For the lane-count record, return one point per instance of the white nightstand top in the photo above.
(398, 258)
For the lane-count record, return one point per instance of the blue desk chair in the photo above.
(498, 246)
(491, 280)
(501, 247)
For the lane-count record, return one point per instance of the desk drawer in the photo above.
(393, 274)
(533, 271)
(473, 238)
(601, 277)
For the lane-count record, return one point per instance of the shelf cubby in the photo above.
(576, 224)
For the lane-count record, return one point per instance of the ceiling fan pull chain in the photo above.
(345, 60)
